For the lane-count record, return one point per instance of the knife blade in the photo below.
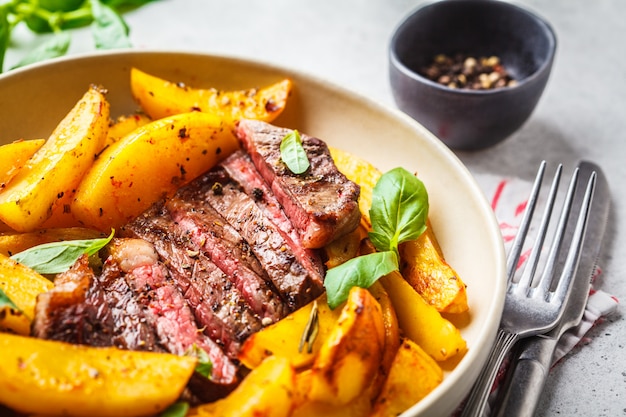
(532, 359)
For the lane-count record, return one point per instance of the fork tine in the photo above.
(573, 255)
(548, 273)
(520, 237)
(531, 266)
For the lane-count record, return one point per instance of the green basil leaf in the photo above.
(108, 28)
(54, 47)
(361, 271)
(57, 257)
(204, 366)
(293, 154)
(5, 34)
(178, 409)
(6, 302)
(399, 209)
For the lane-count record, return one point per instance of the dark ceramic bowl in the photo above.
(471, 119)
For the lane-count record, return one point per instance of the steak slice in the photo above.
(165, 308)
(240, 167)
(216, 303)
(75, 309)
(206, 231)
(321, 203)
(296, 284)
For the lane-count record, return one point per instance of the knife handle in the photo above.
(524, 386)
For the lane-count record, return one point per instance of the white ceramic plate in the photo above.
(33, 100)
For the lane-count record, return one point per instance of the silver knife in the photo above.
(532, 359)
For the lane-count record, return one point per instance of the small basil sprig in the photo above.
(204, 366)
(398, 214)
(293, 154)
(57, 257)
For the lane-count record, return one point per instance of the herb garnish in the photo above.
(57, 257)
(310, 330)
(178, 409)
(204, 366)
(59, 16)
(6, 302)
(398, 214)
(293, 154)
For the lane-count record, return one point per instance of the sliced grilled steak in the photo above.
(296, 284)
(208, 232)
(240, 167)
(75, 310)
(131, 329)
(321, 203)
(165, 308)
(216, 303)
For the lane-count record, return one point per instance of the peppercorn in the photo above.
(468, 72)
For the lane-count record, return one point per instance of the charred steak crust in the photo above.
(296, 284)
(321, 203)
(75, 309)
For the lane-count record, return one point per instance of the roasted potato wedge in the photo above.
(124, 125)
(12, 243)
(14, 155)
(54, 378)
(151, 162)
(268, 391)
(305, 407)
(283, 337)
(413, 375)
(421, 322)
(162, 98)
(423, 266)
(57, 167)
(350, 357)
(22, 285)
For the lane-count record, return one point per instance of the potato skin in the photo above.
(56, 168)
(148, 164)
(54, 378)
(162, 98)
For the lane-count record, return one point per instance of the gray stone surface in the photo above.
(581, 115)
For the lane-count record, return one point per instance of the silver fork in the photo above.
(534, 304)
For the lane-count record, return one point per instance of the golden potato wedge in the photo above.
(54, 378)
(268, 391)
(421, 322)
(14, 155)
(124, 125)
(12, 243)
(305, 407)
(413, 375)
(162, 98)
(363, 173)
(423, 266)
(22, 285)
(57, 167)
(283, 337)
(151, 162)
(350, 357)
(344, 248)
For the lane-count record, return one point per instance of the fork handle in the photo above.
(530, 372)
(477, 399)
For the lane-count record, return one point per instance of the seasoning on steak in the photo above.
(321, 203)
(165, 308)
(208, 232)
(213, 298)
(296, 284)
(83, 308)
